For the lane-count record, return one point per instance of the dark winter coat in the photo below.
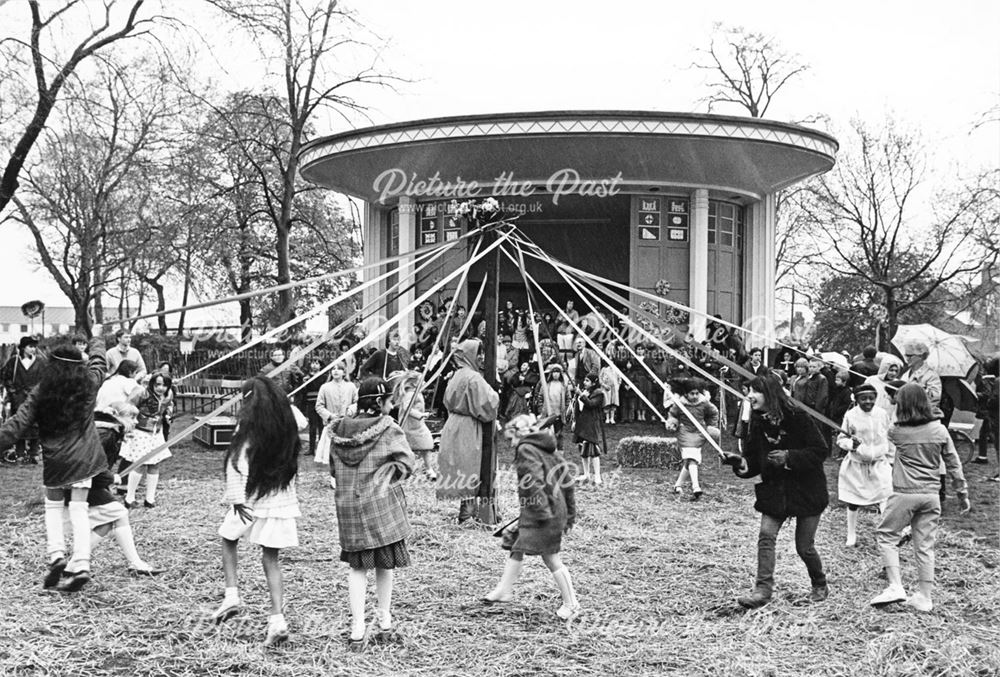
(370, 459)
(545, 493)
(840, 402)
(73, 455)
(798, 488)
(591, 417)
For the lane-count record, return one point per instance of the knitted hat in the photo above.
(372, 387)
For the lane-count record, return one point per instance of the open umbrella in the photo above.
(947, 354)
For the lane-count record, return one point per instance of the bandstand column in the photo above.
(407, 243)
(374, 245)
(698, 271)
(760, 272)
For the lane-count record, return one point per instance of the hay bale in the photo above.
(646, 451)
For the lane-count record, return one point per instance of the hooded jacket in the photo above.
(370, 459)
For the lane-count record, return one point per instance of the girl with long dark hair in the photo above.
(260, 466)
(62, 405)
(787, 450)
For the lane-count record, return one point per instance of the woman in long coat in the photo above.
(470, 402)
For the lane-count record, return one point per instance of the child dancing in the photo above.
(156, 406)
(371, 460)
(548, 510)
(865, 476)
(410, 405)
(921, 444)
(336, 399)
(689, 438)
(588, 429)
(261, 464)
(62, 405)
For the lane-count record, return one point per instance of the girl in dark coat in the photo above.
(62, 406)
(786, 449)
(588, 430)
(548, 509)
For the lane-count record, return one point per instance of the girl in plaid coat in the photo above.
(371, 459)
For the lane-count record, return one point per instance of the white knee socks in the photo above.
(597, 470)
(852, 528)
(570, 606)
(80, 522)
(682, 477)
(152, 479)
(133, 485)
(357, 584)
(126, 541)
(55, 536)
(692, 469)
(383, 595)
(505, 586)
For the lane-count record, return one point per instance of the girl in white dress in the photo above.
(866, 472)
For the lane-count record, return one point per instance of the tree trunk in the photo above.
(246, 321)
(161, 305)
(892, 321)
(187, 289)
(285, 302)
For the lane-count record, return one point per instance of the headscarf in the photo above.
(466, 353)
(888, 359)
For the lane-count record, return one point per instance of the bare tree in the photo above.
(315, 44)
(866, 209)
(50, 71)
(746, 69)
(83, 200)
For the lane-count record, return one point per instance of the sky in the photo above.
(934, 67)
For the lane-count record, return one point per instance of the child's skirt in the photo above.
(864, 483)
(267, 532)
(141, 442)
(691, 453)
(392, 556)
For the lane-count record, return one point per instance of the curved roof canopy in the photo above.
(748, 157)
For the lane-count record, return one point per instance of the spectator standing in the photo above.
(20, 374)
(124, 351)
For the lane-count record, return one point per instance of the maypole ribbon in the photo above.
(297, 283)
(364, 341)
(295, 320)
(710, 438)
(287, 364)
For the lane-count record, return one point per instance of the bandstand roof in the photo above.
(731, 156)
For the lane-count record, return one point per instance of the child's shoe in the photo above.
(568, 613)
(819, 593)
(696, 495)
(75, 582)
(756, 599)
(277, 631)
(892, 594)
(228, 609)
(920, 602)
(56, 568)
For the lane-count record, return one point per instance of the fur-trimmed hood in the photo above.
(354, 437)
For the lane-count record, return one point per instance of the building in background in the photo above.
(639, 197)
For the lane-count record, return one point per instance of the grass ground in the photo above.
(657, 576)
